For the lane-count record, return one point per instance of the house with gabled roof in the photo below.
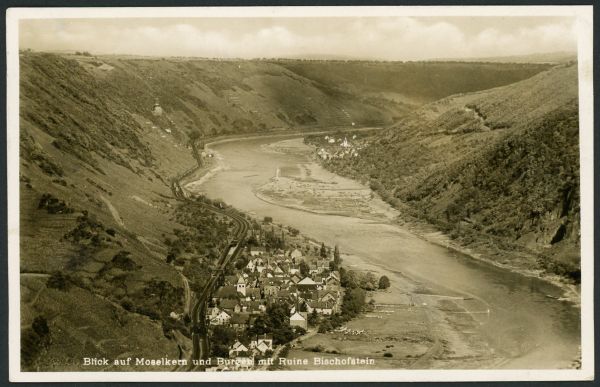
(262, 343)
(277, 271)
(236, 348)
(299, 319)
(296, 278)
(294, 270)
(213, 312)
(306, 283)
(252, 294)
(239, 321)
(251, 265)
(327, 295)
(323, 308)
(221, 319)
(230, 305)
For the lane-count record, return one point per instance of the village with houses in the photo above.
(297, 287)
(338, 148)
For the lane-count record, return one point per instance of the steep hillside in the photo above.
(97, 223)
(217, 97)
(498, 167)
(100, 231)
(232, 96)
(411, 83)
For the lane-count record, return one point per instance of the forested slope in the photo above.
(497, 167)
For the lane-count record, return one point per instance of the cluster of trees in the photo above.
(353, 303)
(293, 231)
(571, 270)
(367, 281)
(221, 339)
(60, 281)
(337, 259)
(88, 230)
(53, 205)
(122, 260)
(276, 321)
(34, 340)
(274, 240)
(157, 299)
(204, 235)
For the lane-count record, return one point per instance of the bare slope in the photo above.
(498, 167)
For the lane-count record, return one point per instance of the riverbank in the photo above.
(312, 188)
(410, 326)
(317, 190)
(314, 195)
(470, 306)
(409, 318)
(570, 292)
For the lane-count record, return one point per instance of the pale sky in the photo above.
(381, 38)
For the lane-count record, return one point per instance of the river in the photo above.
(523, 324)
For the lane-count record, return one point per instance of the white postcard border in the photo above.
(585, 62)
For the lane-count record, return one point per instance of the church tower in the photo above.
(241, 286)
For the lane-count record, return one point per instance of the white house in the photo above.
(299, 319)
(262, 344)
(236, 348)
(221, 319)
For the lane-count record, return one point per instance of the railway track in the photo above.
(200, 343)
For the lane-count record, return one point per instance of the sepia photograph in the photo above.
(300, 193)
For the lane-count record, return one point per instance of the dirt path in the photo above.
(113, 211)
(187, 294)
